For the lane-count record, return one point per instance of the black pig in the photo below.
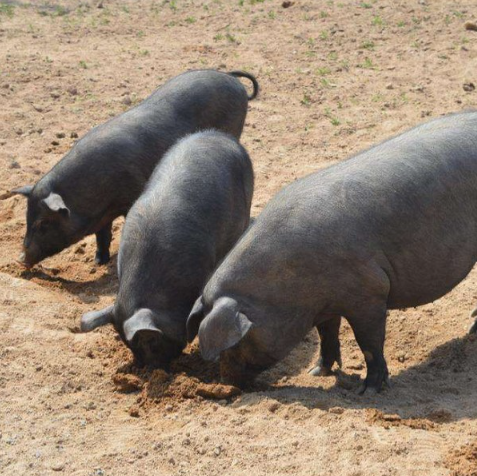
(106, 171)
(393, 227)
(193, 210)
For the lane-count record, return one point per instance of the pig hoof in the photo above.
(365, 389)
(102, 258)
(374, 388)
(321, 371)
(473, 328)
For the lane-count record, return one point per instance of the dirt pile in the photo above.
(189, 378)
(463, 462)
(387, 421)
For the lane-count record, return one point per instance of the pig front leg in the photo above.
(369, 330)
(329, 346)
(103, 240)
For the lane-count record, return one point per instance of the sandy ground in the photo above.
(336, 76)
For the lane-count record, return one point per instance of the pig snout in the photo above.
(232, 371)
(154, 350)
(235, 370)
(241, 365)
(28, 257)
(21, 258)
(24, 261)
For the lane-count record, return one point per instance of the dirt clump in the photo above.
(463, 462)
(387, 421)
(217, 391)
(160, 388)
(127, 383)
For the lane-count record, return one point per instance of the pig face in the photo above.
(143, 333)
(153, 349)
(150, 346)
(49, 226)
(227, 333)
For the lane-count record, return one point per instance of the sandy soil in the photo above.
(336, 76)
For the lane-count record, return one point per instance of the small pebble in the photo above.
(470, 25)
(60, 135)
(126, 100)
(402, 357)
(58, 466)
(287, 4)
(469, 87)
(74, 135)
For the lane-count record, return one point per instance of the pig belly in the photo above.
(420, 278)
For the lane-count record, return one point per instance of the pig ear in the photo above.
(55, 203)
(92, 320)
(195, 318)
(140, 323)
(25, 190)
(222, 329)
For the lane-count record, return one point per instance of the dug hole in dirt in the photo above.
(335, 78)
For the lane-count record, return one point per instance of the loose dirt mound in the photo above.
(189, 377)
(388, 421)
(463, 462)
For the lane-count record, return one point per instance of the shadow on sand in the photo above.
(87, 291)
(441, 388)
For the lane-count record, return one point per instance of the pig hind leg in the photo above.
(329, 346)
(103, 241)
(369, 328)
